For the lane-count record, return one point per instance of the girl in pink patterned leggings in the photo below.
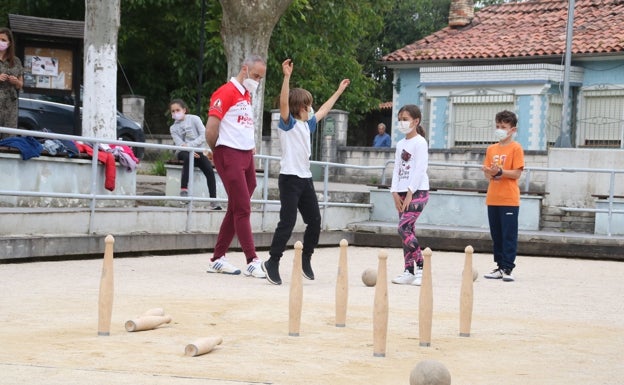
(410, 189)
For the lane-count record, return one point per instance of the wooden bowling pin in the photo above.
(425, 303)
(342, 286)
(466, 295)
(154, 311)
(202, 346)
(380, 311)
(105, 301)
(296, 293)
(147, 322)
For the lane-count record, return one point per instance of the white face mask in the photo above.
(501, 134)
(310, 113)
(4, 45)
(404, 127)
(250, 84)
(177, 116)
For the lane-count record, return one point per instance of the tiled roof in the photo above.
(385, 106)
(524, 30)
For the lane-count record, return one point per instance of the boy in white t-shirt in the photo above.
(297, 122)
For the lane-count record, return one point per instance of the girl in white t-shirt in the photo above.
(410, 189)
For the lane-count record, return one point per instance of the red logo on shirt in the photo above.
(216, 105)
(244, 119)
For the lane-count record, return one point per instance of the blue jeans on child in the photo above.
(504, 231)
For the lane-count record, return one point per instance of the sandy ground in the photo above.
(561, 322)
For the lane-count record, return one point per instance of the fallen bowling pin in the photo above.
(146, 322)
(154, 311)
(202, 346)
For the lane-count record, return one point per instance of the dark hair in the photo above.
(11, 50)
(507, 117)
(180, 102)
(415, 113)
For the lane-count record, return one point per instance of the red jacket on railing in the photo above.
(109, 164)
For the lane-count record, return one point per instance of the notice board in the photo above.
(49, 68)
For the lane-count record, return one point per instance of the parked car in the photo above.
(36, 113)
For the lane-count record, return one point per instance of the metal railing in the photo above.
(93, 196)
(527, 182)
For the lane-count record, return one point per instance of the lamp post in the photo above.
(564, 136)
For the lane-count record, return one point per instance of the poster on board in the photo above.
(49, 68)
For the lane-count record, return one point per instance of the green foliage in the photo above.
(323, 39)
(70, 9)
(160, 54)
(158, 166)
(404, 23)
(328, 40)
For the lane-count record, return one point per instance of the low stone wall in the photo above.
(557, 220)
(439, 176)
(456, 209)
(51, 174)
(200, 185)
(617, 219)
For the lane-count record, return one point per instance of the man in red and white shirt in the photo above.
(230, 132)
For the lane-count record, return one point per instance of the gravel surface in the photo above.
(560, 322)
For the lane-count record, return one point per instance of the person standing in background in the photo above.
(502, 166)
(230, 132)
(381, 139)
(410, 189)
(11, 79)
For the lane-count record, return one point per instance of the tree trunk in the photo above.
(99, 113)
(246, 29)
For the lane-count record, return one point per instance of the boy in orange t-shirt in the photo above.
(503, 165)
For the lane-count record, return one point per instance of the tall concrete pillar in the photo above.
(333, 134)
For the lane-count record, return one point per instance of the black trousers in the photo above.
(204, 164)
(296, 194)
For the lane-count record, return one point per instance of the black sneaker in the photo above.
(271, 269)
(306, 268)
